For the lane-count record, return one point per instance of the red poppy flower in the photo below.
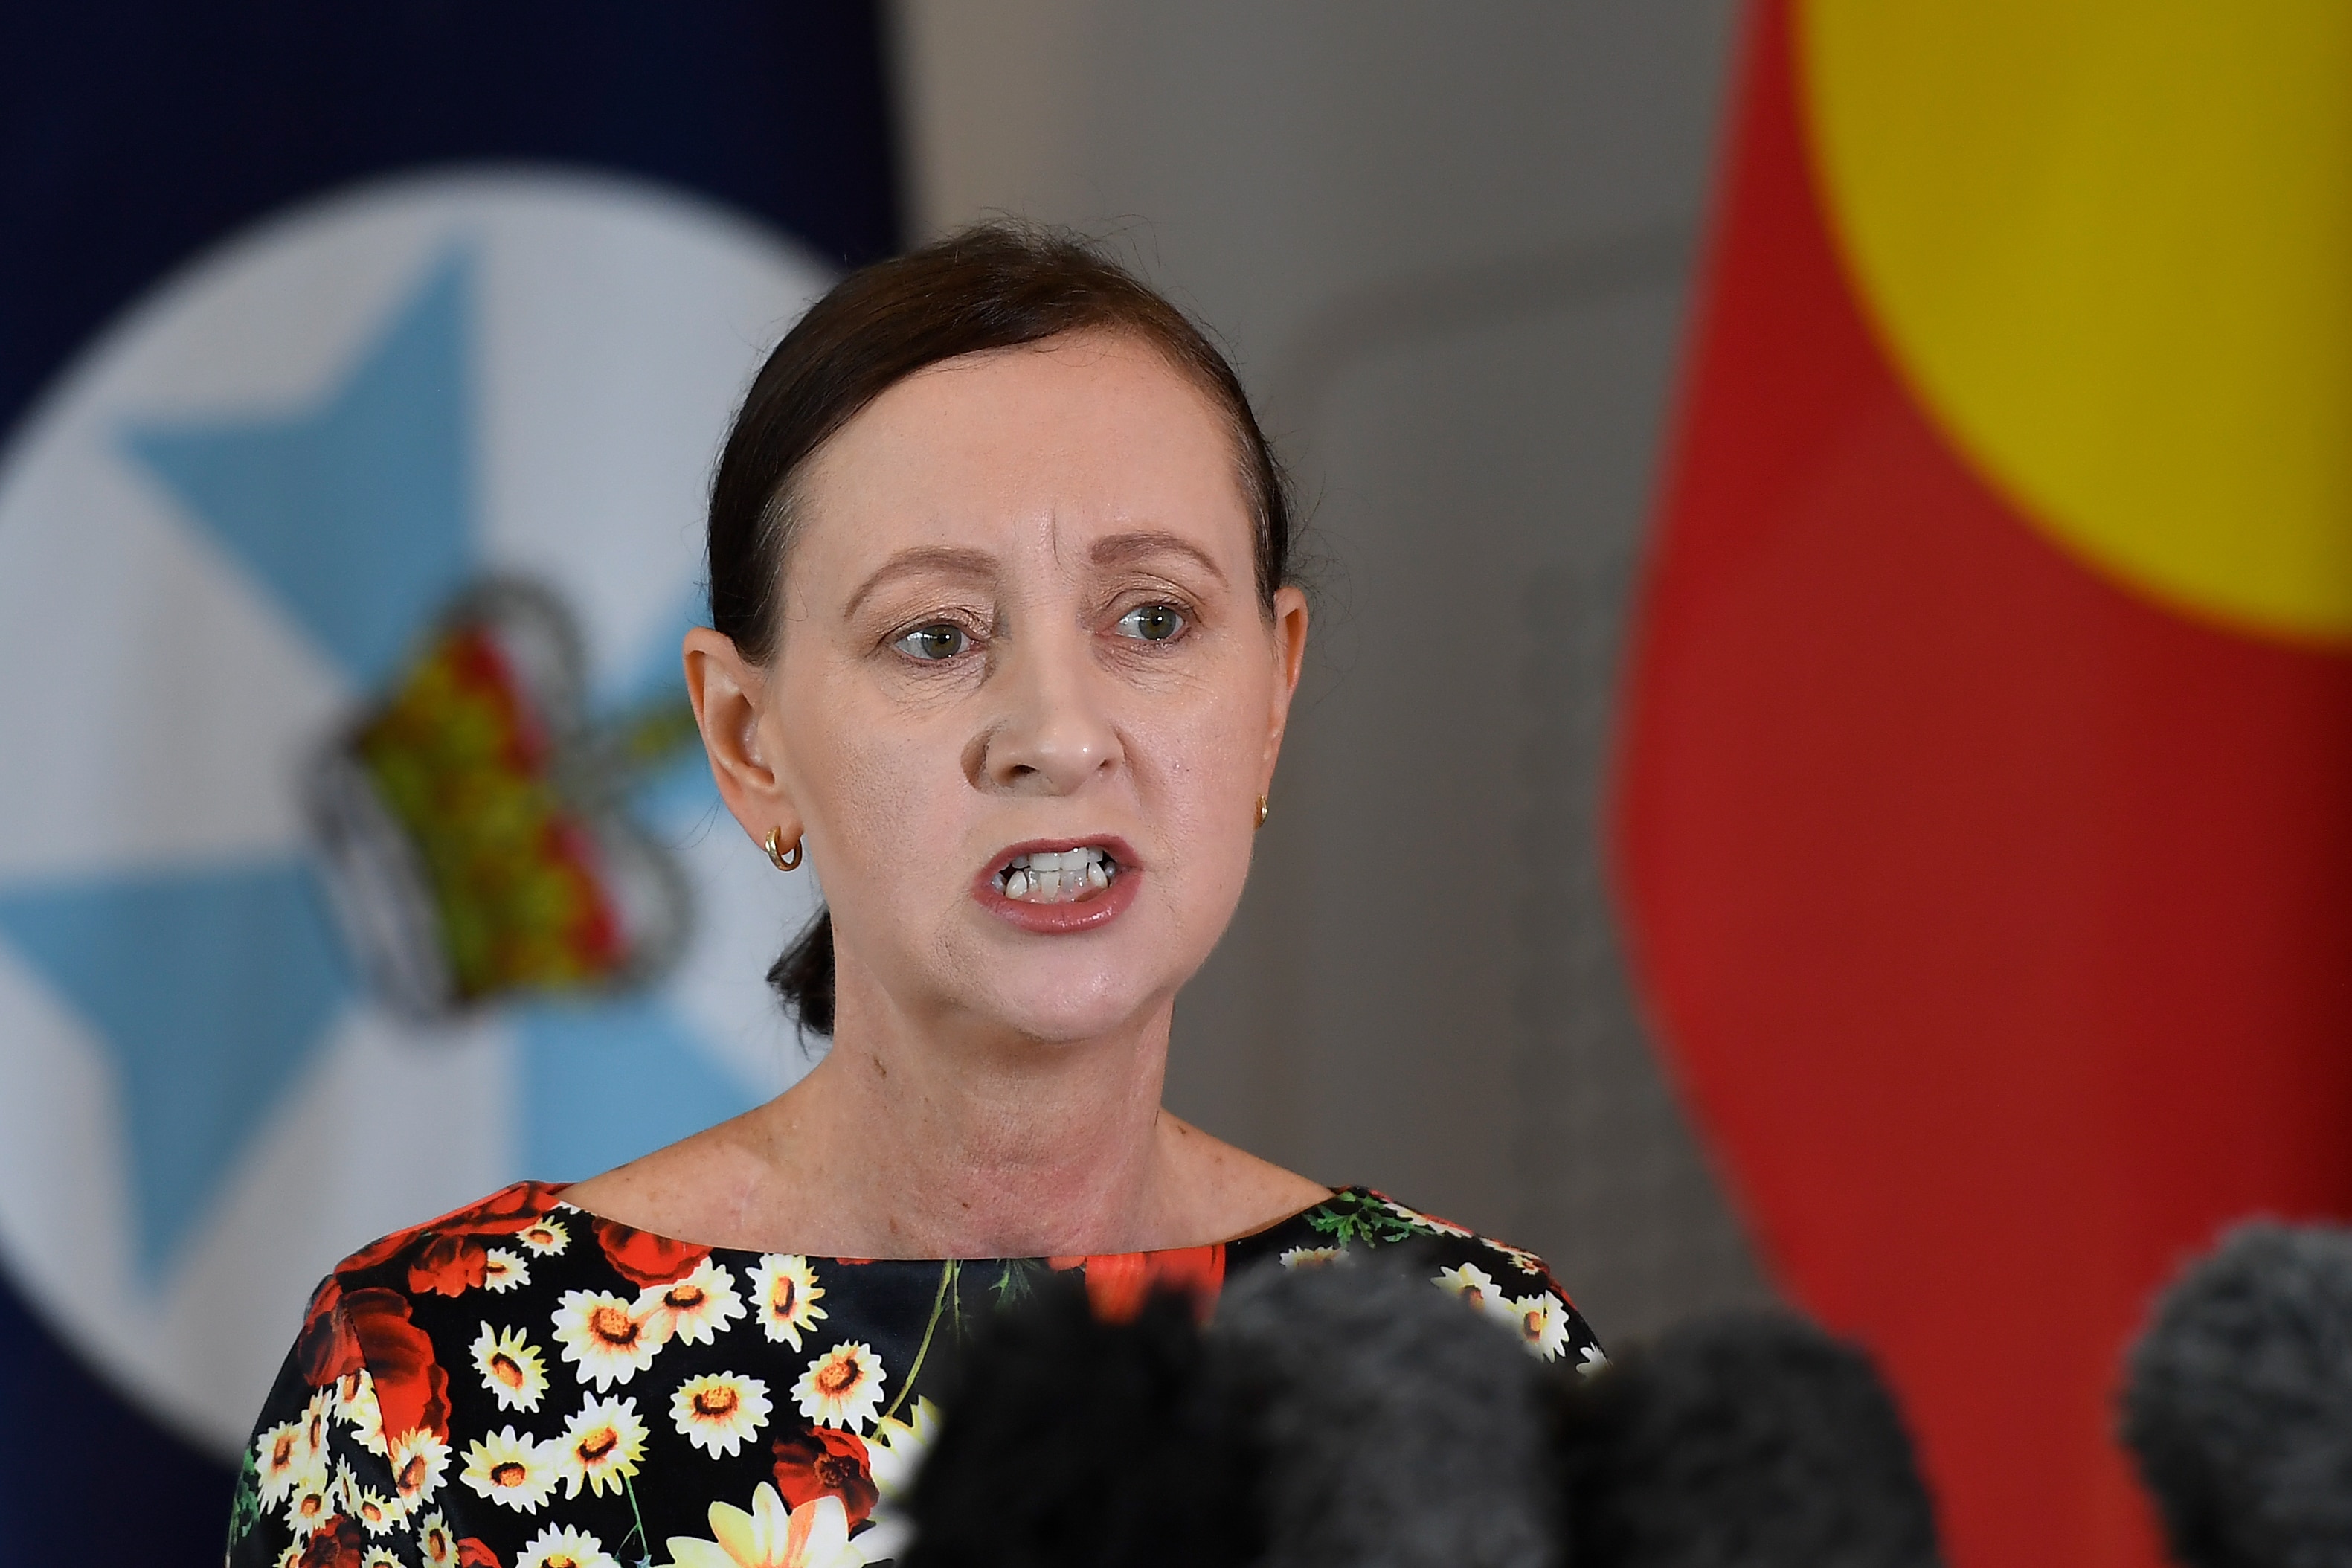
(472, 1554)
(819, 1461)
(327, 1348)
(644, 1257)
(336, 1543)
(1118, 1284)
(503, 1213)
(411, 1389)
(448, 1265)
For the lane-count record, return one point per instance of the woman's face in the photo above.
(1024, 696)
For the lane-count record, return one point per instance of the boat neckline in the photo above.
(1353, 1189)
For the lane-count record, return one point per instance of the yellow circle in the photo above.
(2109, 242)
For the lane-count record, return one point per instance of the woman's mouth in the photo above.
(1058, 876)
(1053, 888)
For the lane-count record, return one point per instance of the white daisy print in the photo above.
(894, 1452)
(379, 1557)
(603, 1333)
(813, 1535)
(1472, 1284)
(1526, 1262)
(601, 1445)
(843, 1387)
(564, 1548)
(546, 1238)
(1420, 1221)
(418, 1460)
(502, 1270)
(694, 1309)
(316, 1417)
(719, 1411)
(1542, 1321)
(438, 1543)
(516, 1472)
(513, 1368)
(1312, 1256)
(312, 1504)
(355, 1402)
(785, 1290)
(1592, 1361)
(375, 1511)
(282, 1457)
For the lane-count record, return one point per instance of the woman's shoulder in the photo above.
(519, 1243)
(462, 1238)
(1511, 1284)
(521, 1372)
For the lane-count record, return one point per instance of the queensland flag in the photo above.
(361, 369)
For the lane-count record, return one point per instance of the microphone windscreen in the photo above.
(1071, 1442)
(2238, 1402)
(1745, 1440)
(1399, 1427)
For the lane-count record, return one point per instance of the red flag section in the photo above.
(1992, 896)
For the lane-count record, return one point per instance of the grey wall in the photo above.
(1451, 247)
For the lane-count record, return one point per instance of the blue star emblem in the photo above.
(213, 988)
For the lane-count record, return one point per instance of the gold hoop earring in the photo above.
(785, 859)
(1261, 813)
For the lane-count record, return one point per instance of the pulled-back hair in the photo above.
(993, 286)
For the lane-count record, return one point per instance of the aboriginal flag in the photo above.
(1985, 814)
(325, 332)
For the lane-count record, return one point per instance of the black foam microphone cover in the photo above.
(1399, 1427)
(1076, 1443)
(2238, 1402)
(1745, 1440)
(1347, 1416)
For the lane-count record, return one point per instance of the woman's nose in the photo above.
(1051, 733)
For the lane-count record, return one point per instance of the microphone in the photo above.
(1742, 1440)
(1353, 1416)
(1396, 1427)
(1346, 1416)
(2238, 1401)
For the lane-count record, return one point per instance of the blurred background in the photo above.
(1823, 770)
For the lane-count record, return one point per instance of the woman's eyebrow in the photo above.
(1118, 549)
(945, 559)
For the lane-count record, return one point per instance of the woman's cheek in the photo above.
(880, 801)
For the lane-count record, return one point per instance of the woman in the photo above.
(1003, 645)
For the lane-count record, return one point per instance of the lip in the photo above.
(1061, 919)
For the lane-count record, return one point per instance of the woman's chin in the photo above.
(1066, 1008)
(1060, 1024)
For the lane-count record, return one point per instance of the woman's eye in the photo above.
(1151, 623)
(936, 641)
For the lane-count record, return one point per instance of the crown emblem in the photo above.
(474, 823)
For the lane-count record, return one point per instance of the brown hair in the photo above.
(994, 286)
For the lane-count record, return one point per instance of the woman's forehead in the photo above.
(1053, 446)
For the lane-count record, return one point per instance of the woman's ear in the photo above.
(729, 697)
(1289, 658)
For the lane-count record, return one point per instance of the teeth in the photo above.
(1057, 876)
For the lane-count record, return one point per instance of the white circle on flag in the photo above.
(229, 533)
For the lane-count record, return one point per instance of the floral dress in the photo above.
(522, 1385)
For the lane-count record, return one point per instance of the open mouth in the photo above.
(1058, 876)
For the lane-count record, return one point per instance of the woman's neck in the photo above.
(940, 1141)
(911, 1142)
